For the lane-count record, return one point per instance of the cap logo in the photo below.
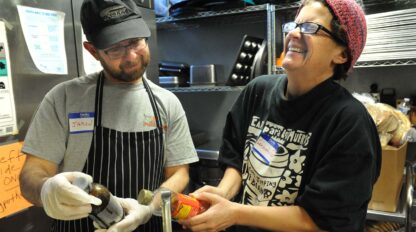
(114, 12)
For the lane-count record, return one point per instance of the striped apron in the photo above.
(124, 162)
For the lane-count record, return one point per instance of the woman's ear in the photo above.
(342, 57)
(91, 49)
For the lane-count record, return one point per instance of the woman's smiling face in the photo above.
(310, 53)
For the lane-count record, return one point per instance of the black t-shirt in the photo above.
(320, 151)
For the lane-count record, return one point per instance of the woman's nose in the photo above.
(294, 32)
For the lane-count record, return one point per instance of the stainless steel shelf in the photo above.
(398, 217)
(390, 40)
(385, 63)
(207, 14)
(247, 9)
(369, 3)
(369, 64)
(205, 89)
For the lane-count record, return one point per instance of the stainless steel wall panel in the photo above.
(29, 84)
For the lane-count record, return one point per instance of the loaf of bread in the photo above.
(392, 125)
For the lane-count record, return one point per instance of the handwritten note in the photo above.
(11, 162)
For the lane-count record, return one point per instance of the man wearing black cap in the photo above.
(114, 127)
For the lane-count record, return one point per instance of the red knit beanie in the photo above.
(352, 18)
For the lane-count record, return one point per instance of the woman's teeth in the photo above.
(292, 49)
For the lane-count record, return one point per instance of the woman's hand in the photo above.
(220, 215)
(209, 189)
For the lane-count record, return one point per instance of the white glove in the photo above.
(65, 201)
(136, 215)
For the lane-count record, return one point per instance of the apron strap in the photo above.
(154, 105)
(99, 99)
(156, 113)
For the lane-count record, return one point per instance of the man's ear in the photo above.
(91, 49)
(341, 58)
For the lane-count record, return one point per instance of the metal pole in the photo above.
(409, 197)
(166, 214)
(271, 39)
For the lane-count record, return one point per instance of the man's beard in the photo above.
(121, 75)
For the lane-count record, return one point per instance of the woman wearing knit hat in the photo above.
(299, 152)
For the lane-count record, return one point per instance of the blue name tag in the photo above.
(81, 122)
(265, 147)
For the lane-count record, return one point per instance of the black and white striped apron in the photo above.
(125, 162)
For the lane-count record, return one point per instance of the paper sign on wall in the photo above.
(11, 163)
(43, 31)
(8, 122)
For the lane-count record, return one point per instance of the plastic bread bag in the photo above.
(400, 135)
(392, 125)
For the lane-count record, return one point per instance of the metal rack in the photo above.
(385, 63)
(232, 15)
(390, 39)
(207, 14)
(247, 9)
(377, 2)
(205, 89)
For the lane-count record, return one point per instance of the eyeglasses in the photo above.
(310, 28)
(119, 51)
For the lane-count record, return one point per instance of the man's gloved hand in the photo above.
(65, 201)
(136, 215)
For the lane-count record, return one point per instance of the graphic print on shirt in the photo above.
(273, 163)
(150, 121)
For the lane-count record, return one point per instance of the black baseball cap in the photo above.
(107, 22)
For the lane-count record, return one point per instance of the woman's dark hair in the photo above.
(340, 70)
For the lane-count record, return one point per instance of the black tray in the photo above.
(248, 62)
